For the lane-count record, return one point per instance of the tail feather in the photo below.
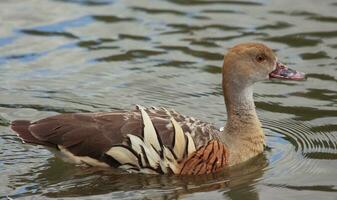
(21, 128)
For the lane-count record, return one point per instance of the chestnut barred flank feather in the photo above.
(208, 159)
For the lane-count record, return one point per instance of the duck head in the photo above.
(245, 64)
(248, 63)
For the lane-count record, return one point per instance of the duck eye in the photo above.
(260, 58)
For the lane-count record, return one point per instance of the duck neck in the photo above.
(240, 108)
(243, 133)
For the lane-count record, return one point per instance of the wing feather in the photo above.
(150, 134)
(190, 144)
(179, 146)
(123, 155)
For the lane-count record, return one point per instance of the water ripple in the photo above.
(89, 2)
(130, 55)
(201, 2)
(301, 136)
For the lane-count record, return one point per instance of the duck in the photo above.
(162, 141)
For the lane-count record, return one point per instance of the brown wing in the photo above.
(92, 134)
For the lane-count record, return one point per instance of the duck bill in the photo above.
(284, 72)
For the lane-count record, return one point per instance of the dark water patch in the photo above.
(209, 2)
(326, 188)
(112, 19)
(200, 54)
(294, 13)
(294, 40)
(189, 28)
(131, 55)
(325, 77)
(269, 95)
(275, 26)
(200, 17)
(324, 18)
(104, 47)
(158, 11)
(321, 156)
(303, 39)
(212, 69)
(178, 64)
(236, 36)
(316, 55)
(222, 11)
(326, 64)
(318, 94)
(49, 33)
(136, 69)
(174, 32)
(325, 128)
(300, 113)
(96, 44)
(333, 46)
(201, 42)
(89, 2)
(89, 43)
(320, 34)
(24, 57)
(133, 37)
(301, 13)
(277, 12)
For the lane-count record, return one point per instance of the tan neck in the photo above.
(240, 108)
(243, 133)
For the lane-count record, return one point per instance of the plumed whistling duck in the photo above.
(160, 141)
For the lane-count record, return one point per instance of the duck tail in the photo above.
(21, 128)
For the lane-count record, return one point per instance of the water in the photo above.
(83, 56)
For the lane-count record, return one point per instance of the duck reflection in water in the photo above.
(57, 179)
